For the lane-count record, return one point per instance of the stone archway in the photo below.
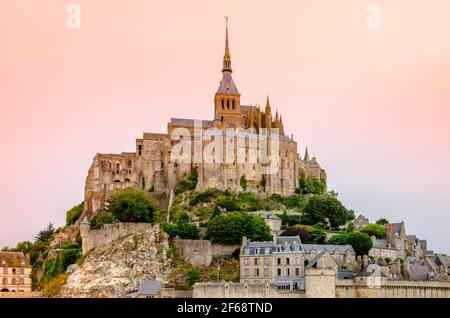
(4, 290)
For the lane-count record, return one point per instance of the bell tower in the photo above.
(227, 100)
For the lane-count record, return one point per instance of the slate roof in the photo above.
(381, 243)
(417, 269)
(149, 287)
(316, 258)
(14, 259)
(284, 244)
(227, 85)
(341, 249)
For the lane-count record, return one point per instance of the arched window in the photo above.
(222, 103)
(117, 166)
(232, 104)
(130, 164)
(228, 104)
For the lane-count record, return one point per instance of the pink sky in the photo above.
(374, 105)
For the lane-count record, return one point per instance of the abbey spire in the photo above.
(226, 55)
(227, 100)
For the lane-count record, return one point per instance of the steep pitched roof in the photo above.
(14, 259)
(341, 249)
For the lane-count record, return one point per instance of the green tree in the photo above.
(382, 221)
(361, 242)
(243, 181)
(321, 207)
(103, 217)
(338, 239)
(74, 213)
(131, 205)
(45, 235)
(374, 230)
(302, 231)
(231, 227)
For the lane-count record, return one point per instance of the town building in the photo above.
(272, 221)
(383, 249)
(360, 222)
(15, 272)
(280, 261)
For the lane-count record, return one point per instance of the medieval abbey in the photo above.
(152, 167)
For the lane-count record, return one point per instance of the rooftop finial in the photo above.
(226, 56)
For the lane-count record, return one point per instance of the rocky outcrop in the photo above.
(116, 269)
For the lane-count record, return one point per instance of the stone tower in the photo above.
(227, 100)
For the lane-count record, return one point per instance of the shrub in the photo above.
(188, 184)
(74, 213)
(205, 196)
(53, 286)
(228, 203)
(182, 230)
(103, 217)
(131, 205)
(243, 182)
(248, 202)
(231, 227)
(374, 230)
(338, 239)
(361, 242)
(193, 275)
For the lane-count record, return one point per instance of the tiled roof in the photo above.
(14, 259)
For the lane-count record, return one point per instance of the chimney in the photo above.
(275, 239)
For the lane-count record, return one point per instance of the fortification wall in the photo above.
(394, 289)
(21, 295)
(241, 290)
(202, 252)
(110, 232)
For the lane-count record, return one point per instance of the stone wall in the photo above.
(110, 232)
(202, 252)
(320, 283)
(394, 289)
(241, 290)
(21, 295)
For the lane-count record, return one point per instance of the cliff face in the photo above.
(116, 269)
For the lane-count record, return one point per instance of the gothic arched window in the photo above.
(222, 103)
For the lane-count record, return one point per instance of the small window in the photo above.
(279, 261)
(228, 104)
(222, 103)
(278, 271)
(256, 272)
(232, 103)
(140, 150)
